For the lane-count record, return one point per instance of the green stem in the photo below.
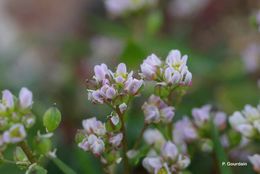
(140, 137)
(62, 166)
(25, 147)
(124, 141)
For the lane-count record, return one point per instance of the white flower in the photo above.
(116, 139)
(167, 114)
(154, 137)
(201, 115)
(152, 164)
(251, 113)
(25, 98)
(121, 74)
(7, 99)
(246, 130)
(237, 119)
(255, 160)
(150, 66)
(256, 124)
(172, 76)
(169, 151)
(93, 126)
(101, 72)
(107, 92)
(95, 96)
(15, 134)
(175, 60)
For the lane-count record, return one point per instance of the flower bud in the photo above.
(122, 107)
(150, 66)
(154, 137)
(93, 126)
(167, 114)
(201, 115)
(183, 162)
(97, 145)
(101, 71)
(25, 98)
(133, 85)
(8, 99)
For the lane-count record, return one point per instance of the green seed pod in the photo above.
(43, 145)
(19, 155)
(79, 137)
(52, 119)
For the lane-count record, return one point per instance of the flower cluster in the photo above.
(95, 136)
(156, 110)
(165, 159)
(188, 130)
(247, 122)
(109, 87)
(173, 71)
(15, 116)
(120, 7)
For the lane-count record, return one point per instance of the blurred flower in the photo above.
(25, 98)
(251, 57)
(255, 160)
(169, 151)
(220, 119)
(201, 115)
(156, 110)
(187, 8)
(93, 126)
(258, 19)
(133, 85)
(116, 139)
(15, 134)
(150, 67)
(184, 131)
(101, 71)
(183, 162)
(247, 122)
(152, 164)
(154, 137)
(7, 99)
(120, 7)
(122, 107)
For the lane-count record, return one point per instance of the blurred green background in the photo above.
(51, 47)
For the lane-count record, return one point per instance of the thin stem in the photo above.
(25, 147)
(140, 137)
(62, 166)
(124, 141)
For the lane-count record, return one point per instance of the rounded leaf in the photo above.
(52, 119)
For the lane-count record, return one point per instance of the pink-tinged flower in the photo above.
(169, 151)
(15, 134)
(154, 137)
(237, 119)
(167, 114)
(150, 67)
(7, 99)
(152, 164)
(93, 126)
(92, 143)
(107, 92)
(176, 61)
(220, 119)
(101, 72)
(116, 140)
(156, 110)
(186, 77)
(96, 96)
(133, 85)
(184, 131)
(255, 161)
(25, 98)
(201, 115)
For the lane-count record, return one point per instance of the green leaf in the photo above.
(52, 119)
(219, 150)
(36, 169)
(62, 166)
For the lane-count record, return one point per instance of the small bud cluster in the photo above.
(112, 87)
(188, 130)
(15, 116)
(96, 137)
(165, 159)
(173, 71)
(247, 122)
(156, 110)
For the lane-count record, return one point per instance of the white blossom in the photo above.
(25, 98)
